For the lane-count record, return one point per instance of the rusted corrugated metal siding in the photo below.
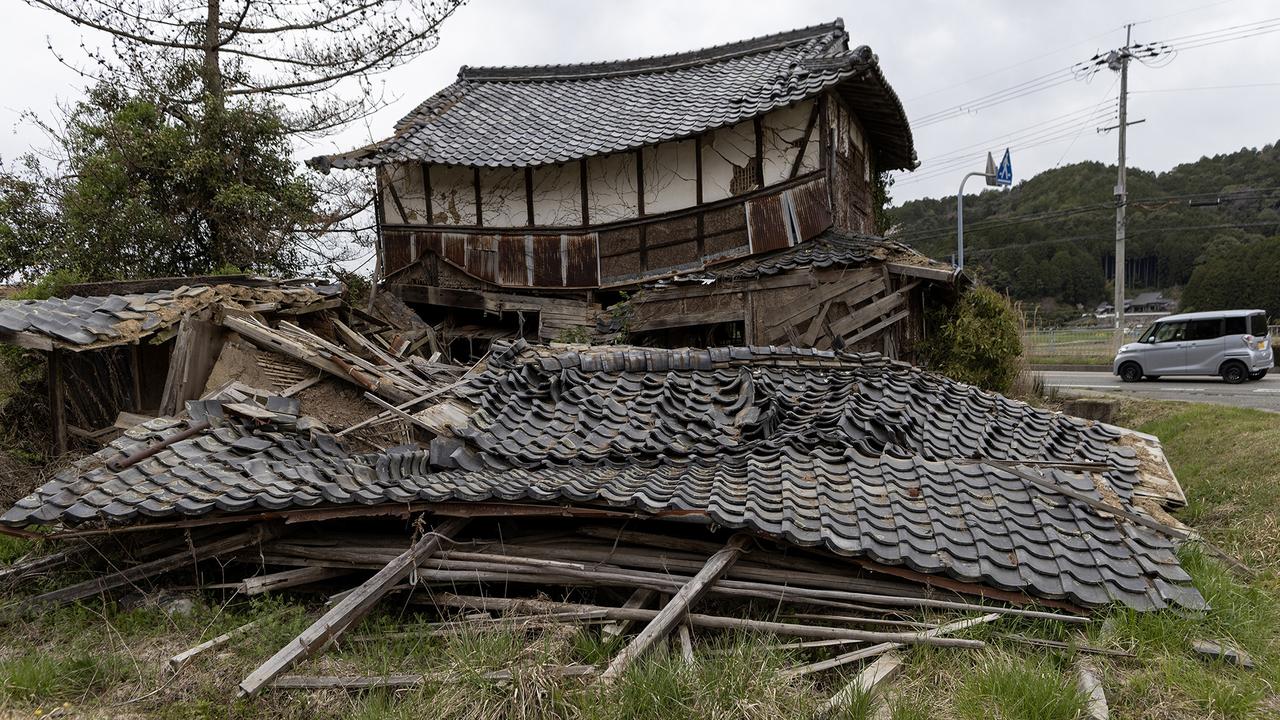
(513, 266)
(811, 208)
(767, 224)
(582, 261)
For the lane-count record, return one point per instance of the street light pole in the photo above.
(960, 216)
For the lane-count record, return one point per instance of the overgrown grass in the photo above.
(99, 658)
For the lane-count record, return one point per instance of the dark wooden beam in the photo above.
(475, 180)
(757, 123)
(640, 182)
(582, 182)
(697, 161)
(528, 195)
(426, 192)
(395, 197)
(57, 401)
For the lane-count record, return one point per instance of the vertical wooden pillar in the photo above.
(582, 182)
(528, 194)
(426, 193)
(135, 370)
(57, 401)
(757, 125)
(479, 210)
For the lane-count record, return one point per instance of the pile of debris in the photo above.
(641, 490)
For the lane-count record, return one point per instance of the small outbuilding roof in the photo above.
(545, 114)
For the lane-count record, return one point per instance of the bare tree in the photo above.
(314, 58)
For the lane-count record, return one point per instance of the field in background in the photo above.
(1069, 346)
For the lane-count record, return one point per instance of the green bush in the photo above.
(976, 340)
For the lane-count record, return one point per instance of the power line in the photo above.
(1204, 87)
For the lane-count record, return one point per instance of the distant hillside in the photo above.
(1053, 236)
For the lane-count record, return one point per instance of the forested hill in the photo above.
(1053, 236)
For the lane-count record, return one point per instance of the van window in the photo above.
(1170, 331)
(1204, 329)
(1238, 325)
(1258, 325)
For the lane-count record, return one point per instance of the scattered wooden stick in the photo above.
(686, 643)
(182, 558)
(709, 621)
(1090, 685)
(179, 661)
(874, 650)
(351, 608)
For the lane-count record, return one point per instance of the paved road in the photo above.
(1263, 394)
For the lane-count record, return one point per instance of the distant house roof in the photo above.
(1150, 298)
(535, 115)
(864, 457)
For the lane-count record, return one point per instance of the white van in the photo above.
(1231, 343)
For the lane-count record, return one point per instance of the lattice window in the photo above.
(745, 178)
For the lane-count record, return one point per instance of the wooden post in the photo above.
(674, 612)
(582, 183)
(638, 599)
(868, 681)
(57, 401)
(351, 608)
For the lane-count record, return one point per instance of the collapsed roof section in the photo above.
(90, 323)
(865, 458)
(538, 115)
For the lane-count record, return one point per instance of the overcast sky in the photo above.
(937, 55)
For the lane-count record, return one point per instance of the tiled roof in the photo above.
(853, 453)
(523, 116)
(833, 248)
(110, 319)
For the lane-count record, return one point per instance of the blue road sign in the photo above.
(1004, 175)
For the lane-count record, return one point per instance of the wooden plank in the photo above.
(925, 273)
(351, 608)
(195, 351)
(129, 576)
(669, 616)
(182, 659)
(685, 636)
(866, 683)
(860, 284)
(710, 317)
(873, 329)
(57, 382)
(855, 320)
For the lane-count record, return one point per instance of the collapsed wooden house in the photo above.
(140, 347)
(726, 194)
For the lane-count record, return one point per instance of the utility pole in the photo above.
(1121, 193)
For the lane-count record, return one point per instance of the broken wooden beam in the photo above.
(670, 615)
(287, 578)
(867, 682)
(351, 608)
(639, 599)
(365, 682)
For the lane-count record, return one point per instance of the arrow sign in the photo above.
(1004, 175)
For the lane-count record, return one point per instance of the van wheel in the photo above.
(1257, 375)
(1234, 373)
(1130, 372)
